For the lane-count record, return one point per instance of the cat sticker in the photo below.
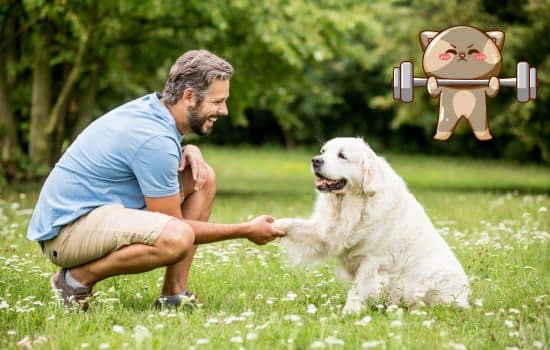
(462, 52)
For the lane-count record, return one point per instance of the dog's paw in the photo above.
(353, 306)
(284, 224)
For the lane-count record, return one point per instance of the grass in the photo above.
(494, 215)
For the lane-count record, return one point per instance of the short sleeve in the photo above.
(155, 166)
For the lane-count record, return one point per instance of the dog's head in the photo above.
(346, 164)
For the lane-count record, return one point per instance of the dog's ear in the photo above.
(372, 180)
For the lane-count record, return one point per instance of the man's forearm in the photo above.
(206, 232)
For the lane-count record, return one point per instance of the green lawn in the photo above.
(494, 215)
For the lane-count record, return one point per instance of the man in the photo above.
(126, 198)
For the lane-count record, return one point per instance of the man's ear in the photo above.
(498, 37)
(372, 181)
(189, 97)
(425, 38)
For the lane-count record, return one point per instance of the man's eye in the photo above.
(342, 155)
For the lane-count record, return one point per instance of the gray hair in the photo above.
(195, 69)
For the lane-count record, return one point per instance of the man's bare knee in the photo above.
(175, 241)
(210, 183)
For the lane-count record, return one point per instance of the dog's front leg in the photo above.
(302, 242)
(367, 284)
(354, 302)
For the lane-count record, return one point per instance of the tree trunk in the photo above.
(8, 133)
(39, 142)
(290, 143)
(86, 109)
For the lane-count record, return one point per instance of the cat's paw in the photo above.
(433, 88)
(494, 86)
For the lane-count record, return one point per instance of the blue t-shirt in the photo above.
(130, 153)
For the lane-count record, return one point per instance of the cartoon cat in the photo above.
(462, 52)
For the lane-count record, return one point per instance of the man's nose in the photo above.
(317, 161)
(222, 110)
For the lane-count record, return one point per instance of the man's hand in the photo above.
(260, 230)
(192, 157)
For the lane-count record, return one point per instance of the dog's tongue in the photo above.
(324, 182)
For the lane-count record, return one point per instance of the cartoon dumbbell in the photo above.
(404, 83)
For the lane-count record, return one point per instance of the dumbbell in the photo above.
(404, 83)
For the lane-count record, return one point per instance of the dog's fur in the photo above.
(380, 234)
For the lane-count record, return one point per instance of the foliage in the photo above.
(305, 70)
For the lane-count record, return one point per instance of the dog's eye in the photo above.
(322, 151)
(342, 155)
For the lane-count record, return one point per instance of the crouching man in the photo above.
(126, 198)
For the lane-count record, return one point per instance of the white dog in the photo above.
(384, 241)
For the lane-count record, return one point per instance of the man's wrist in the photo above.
(245, 230)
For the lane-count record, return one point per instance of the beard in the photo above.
(198, 123)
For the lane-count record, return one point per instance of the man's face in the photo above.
(202, 116)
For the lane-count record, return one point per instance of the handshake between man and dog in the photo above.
(384, 241)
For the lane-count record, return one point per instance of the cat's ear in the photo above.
(425, 38)
(498, 37)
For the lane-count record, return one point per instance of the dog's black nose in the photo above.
(317, 161)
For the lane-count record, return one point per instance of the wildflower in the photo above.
(396, 324)
(513, 334)
(372, 344)
(263, 326)
(419, 313)
(236, 339)
(212, 321)
(104, 346)
(457, 346)
(317, 344)
(202, 341)
(141, 333)
(428, 323)
(509, 323)
(12, 332)
(331, 340)
(478, 302)
(364, 321)
(40, 340)
(538, 344)
(251, 336)
(293, 318)
(289, 297)
(311, 309)
(85, 345)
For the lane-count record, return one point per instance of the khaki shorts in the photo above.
(101, 231)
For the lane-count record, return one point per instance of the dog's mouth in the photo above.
(327, 185)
